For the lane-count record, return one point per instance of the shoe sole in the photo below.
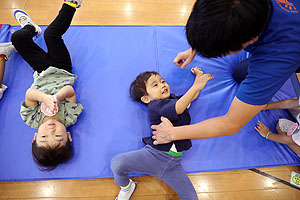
(133, 190)
(21, 11)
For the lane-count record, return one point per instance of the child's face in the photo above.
(157, 88)
(52, 133)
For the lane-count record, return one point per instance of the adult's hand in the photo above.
(162, 132)
(184, 58)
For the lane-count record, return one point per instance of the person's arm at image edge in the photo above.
(237, 116)
(283, 104)
(283, 139)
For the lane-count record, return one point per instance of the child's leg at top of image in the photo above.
(5, 50)
(24, 44)
(57, 50)
(22, 39)
(283, 104)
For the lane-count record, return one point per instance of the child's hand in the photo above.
(197, 71)
(262, 129)
(201, 79)
(51, 102)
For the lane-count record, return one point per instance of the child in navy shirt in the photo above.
(162, 161)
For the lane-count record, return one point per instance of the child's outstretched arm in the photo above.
(264, 131)
(66, 93)
(199, 83)
(283, 104)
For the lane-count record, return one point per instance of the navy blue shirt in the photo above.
(166, 108)
(275, 56)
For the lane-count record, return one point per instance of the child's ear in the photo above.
(69, 136)
(34, 137)
(145, 99)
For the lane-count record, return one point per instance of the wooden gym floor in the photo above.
(255, 184)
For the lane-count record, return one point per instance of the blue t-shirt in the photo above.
(275, 56)
(166, 108)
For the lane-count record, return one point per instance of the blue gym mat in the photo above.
(106, 60)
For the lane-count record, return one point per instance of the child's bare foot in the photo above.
(262, 129)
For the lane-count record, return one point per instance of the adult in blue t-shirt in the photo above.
(268, 29)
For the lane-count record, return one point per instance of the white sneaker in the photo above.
(77, 2)
(6, 49)
(23, 19)
(126, 193)
(2, 89)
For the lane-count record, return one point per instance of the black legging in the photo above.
(58, 54)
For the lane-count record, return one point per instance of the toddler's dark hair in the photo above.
(137, 88)
(49, 158)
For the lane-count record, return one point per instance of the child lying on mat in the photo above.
(50, 103)
(162, 161)
(288, 131)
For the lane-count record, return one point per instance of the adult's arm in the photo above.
(237, 116)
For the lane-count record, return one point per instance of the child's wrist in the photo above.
(43, 96)
(58, 96)
(267, 135)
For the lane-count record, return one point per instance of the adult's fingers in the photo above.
(178, 60)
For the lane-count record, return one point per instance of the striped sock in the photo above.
(74, 5)
(4, 56)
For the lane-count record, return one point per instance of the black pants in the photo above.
(58, 54)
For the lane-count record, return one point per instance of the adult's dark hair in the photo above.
(216, 27)
(137, 88)
(49, 158)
